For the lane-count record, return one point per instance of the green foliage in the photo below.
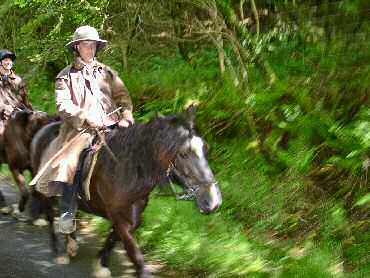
(291, 156)
(364, 200)
(241, 257)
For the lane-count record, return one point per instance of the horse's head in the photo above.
(27, 122)
(29, 119)
(191, 168)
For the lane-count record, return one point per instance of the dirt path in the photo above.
(25, 249)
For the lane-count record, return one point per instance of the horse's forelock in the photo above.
(183, 121)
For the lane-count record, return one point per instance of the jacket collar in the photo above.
(79, 63)
(11, 75)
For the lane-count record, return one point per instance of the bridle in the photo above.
(191, 189)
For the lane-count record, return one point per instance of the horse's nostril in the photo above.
(207, 203)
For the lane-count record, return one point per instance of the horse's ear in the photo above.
(190, 115)
(22, 117)
(158, 115)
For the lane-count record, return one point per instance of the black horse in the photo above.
(144, 155)
(18, 134)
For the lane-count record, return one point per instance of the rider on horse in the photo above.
(89, 96)
(12, 93)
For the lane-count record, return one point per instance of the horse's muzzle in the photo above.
(208, 198)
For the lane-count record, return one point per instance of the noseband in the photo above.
(191, 189)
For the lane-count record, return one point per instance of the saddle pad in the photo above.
(87, 170)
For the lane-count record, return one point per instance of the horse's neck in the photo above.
(22, 146)
(135, 156)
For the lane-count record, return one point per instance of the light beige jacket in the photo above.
(13, 93)
(82, 93)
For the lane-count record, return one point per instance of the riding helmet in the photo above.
(5, 53)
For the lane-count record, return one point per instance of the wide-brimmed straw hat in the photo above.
(86, 33)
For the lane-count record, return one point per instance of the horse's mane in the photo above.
(53, 118)
(144, 151)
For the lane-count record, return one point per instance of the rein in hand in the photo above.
(101, 132)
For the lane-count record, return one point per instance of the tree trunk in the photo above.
(255, 13)
(126, 44)
(178, 29)
(221, 56)
(248, 52)
(124, 49)
(218, 38)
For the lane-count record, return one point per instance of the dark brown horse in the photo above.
(144, 155)
(18, 134)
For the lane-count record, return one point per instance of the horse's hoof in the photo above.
(72, 247)
(62, 260)
(100, 271)
(5, 210)
(145, 274)
(40, 222)
(15, 211)
(21, 207)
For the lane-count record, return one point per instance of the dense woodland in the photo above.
(282, 95)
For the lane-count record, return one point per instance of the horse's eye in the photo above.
(183, 155)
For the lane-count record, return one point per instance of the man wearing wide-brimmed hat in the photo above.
(89, 95)
(13, 94)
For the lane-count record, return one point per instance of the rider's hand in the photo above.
(93, 124)
(124, 123)
(8, 109)
(126, 120)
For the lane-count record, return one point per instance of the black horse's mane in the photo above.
(144, 151)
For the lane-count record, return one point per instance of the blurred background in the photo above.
(282, 95)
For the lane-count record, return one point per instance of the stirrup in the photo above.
(67, 223)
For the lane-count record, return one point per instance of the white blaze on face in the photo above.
(215, 196)
(196, 145)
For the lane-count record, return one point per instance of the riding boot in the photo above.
(68, 209)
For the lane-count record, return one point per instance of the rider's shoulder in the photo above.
(107, 69)
(64, 74)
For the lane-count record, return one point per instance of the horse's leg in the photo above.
(3, 207)
(126, 233)
(37, 208)
(19, 179)
(100, 268)
(57, 243)
(72, 246)
(125, 227)
(2, 200)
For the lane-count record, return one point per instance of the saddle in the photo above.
(85, 167)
